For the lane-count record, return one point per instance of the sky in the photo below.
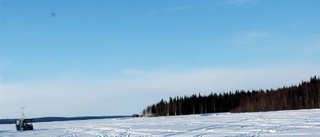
(116, 57)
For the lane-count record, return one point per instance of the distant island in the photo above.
(306, 95)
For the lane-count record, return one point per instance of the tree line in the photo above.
(306, 95)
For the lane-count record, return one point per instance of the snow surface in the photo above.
(280, 123)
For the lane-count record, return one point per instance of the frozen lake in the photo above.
(281, 123)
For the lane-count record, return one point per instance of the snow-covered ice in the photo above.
(280, 123)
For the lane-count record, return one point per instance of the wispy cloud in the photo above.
(65, 97)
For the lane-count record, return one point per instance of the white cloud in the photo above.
(73, 97)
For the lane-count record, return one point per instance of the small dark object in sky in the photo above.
(53, 14)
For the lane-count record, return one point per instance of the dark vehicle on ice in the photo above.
(24, 124)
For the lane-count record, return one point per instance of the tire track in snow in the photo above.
(210, 127)
(200, 135)
(69, 134)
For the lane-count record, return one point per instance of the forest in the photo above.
(306, 95)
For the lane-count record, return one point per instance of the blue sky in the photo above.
(106, 57)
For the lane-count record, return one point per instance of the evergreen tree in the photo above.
(304, 96)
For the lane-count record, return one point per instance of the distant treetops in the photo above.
(306, 95)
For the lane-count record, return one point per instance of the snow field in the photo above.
(264, 124)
